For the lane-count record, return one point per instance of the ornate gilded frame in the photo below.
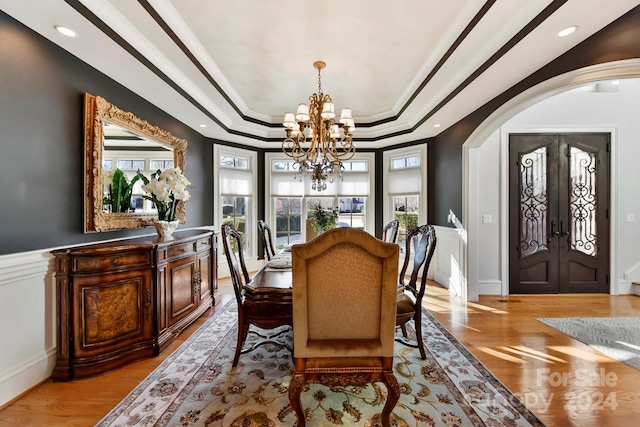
(96, 111)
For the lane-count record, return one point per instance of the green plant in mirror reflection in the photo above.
(120, 190)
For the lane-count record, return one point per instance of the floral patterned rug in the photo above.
(197, 386)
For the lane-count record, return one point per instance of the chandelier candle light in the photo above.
(313, 138)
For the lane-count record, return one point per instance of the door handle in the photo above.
(554, 232)
(562, 232)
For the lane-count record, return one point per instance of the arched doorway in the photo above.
(471, 206)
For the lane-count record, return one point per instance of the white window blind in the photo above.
(283, 184)
(353, 184)
(404, 181)
(236, 182)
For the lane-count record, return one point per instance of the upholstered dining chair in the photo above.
(344, 310)
(267, 240)
(263, 314)
(390, 231)
(422, 240)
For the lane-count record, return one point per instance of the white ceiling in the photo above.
(237, 66)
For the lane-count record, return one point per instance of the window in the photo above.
(292, 198)
(288, 228)
(161, 164)
(351, 212)
(234, 213)
(404, 183)
(355, 166)
(234, 162)
(283, 166)
(406, 211)
(130, 165)
(107, 164)
(235, 186)
(410, 161)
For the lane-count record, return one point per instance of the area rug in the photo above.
(617, 337)
(196, 385)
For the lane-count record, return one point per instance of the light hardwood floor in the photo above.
(530, 358)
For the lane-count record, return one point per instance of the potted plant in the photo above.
(323, 219)
(166, 189)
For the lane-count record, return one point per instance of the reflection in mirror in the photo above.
(126, 157)
(119, 144)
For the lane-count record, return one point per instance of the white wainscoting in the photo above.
(447, 260)
(28, 318)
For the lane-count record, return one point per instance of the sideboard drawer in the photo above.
(177, 250)
(203, 243)
(111, 261)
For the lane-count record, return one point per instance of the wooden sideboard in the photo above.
(122, 301)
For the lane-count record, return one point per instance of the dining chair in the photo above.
(423, 241)
(390, 231)
(263, 314)
(267, 240)
(344, 310)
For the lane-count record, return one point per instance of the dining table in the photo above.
(272, 283)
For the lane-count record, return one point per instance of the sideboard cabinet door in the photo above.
(182, 289)
(114, 313)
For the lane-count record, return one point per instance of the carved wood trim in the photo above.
(96, 111)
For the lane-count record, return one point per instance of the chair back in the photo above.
(232, 242)
(344, 277)
(390, 231)
(267, 240)
(422, 241)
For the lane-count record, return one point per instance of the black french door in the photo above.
(558, 213)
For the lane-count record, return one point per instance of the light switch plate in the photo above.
(631, 218)
(487, 219)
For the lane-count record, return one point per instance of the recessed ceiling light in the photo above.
(437, 125)
(202, 125)
(65, 31)
(567, 31)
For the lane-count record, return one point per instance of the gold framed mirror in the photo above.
(116, 139)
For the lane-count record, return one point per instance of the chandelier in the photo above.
(314, 140)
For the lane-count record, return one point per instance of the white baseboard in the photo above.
(27, 303)
(26, 376)
(490, 287)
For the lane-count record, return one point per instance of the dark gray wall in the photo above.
(41, 147)
(620, 40)
(41, 89)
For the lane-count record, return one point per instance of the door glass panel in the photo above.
(582, 202)
(534, 202)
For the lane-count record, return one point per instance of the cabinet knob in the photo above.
(115, 261)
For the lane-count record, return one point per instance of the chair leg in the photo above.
(417, 320)
(403, 327)
(393, 394)
(295, 388)
(242, 334)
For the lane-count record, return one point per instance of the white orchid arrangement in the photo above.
(166, 189)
